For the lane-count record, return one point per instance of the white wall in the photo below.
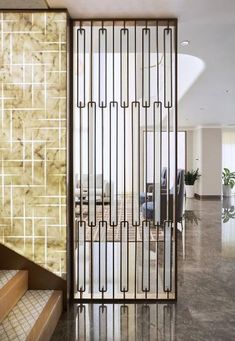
(205, 152)
(189, 149)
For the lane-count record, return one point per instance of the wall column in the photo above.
(208, 158)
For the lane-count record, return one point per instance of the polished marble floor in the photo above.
(205, 309)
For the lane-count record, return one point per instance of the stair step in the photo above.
(34, 317)
(13, 285)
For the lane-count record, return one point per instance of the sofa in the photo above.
(98, 192)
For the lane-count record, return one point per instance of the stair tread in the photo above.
(6, 276)
(21, 319)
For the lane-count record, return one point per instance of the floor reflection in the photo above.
(191, 218)
(206, 284)
(228, 226)
(121, 322)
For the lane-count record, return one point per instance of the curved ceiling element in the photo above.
(208, 25)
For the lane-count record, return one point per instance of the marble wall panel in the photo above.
(33, 116)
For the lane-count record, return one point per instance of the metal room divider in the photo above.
(124, 174)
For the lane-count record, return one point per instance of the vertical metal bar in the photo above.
(168, 222)
(168, 165)
(138, 145)
(102, 159)
(102, 71)
(81, 164)
(81, 66)
(157, 164)
(124, 67)
(146, 160)
(91, 98)
(92, 163)
(146, 67)
(124, 257)
(124, 158)
(135, 137)
(167, 285)
(71, 184)
(135, 67)
(102, 96)
(156, 218)
(113, 226)
(157, 48)
(146, 256)
(113, 140)
(113, 61)
(176, 148)
(135, 286)
(124, 83)
(157, 138)
(81, 255)
(167, 45)
(168, 104)
(110, 182)
(103, 269)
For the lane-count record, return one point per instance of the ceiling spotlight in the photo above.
(185, 43)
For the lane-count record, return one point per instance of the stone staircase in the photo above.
(30, 315)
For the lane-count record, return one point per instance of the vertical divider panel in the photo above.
(125, 104)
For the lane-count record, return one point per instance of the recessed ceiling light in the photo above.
(185, 43)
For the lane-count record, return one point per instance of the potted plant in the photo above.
(227, 214)
(190, 178)
(228, 182)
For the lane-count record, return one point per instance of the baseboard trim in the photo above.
(207, 197)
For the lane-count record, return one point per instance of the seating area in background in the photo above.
(146, 199)
(147, 206)
(98, 192)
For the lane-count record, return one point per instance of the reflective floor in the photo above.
(206, 289)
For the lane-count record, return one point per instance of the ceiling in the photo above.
(209, 25)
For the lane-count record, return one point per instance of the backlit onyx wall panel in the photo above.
(33, 97)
